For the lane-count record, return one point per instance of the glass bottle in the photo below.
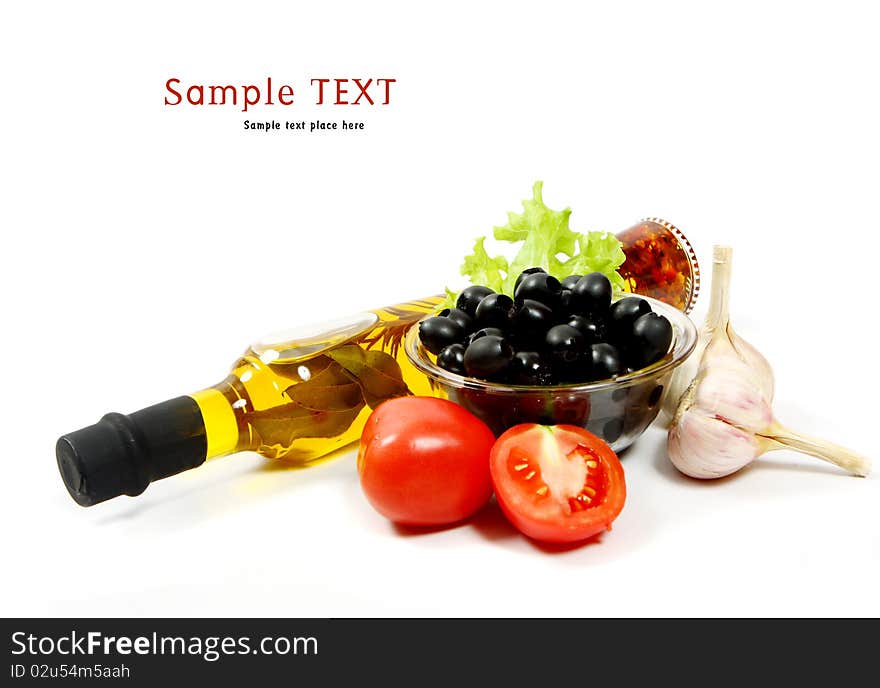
(661, 263)
(298, 394)
(302, 394)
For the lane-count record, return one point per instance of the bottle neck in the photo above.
(221, 426)
(124, 453)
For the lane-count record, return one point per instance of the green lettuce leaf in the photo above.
(546, 241)
(481, 269)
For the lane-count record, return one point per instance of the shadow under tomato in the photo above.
(416, 531)
(489, 522)
(562, 547)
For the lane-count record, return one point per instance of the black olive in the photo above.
(462, 318)
(487, 357)
(650, 340)
(604, 361)
(565, 301)
(494, 311)
(532, 319)
(570, 281)
(564, 343)
(591, 295)
(437, 333)
(525, 273)
(539, 286)
(451, 358)
(593, 330)
(623, 315)
(494, 331)
(529, 368)
(470, 298)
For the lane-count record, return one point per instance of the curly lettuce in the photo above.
(545, 240)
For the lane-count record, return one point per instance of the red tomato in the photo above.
(557, 483)
(425, 461)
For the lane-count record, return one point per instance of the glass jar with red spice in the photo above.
(660, 263)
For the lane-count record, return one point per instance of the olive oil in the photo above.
(301, 395)
(296, 395)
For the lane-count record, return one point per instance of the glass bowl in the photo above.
(617, 410)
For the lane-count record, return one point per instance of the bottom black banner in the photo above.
(136, 652)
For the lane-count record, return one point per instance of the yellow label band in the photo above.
(221, 428)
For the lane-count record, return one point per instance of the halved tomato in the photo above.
(557, 483)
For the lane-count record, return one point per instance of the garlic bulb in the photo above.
(724, 419)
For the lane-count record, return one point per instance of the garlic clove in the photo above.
(727, 393)
(762, 373)
(705, 447)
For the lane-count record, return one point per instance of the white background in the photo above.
(144, 246)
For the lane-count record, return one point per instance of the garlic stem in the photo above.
(781, 437)
(719, 300)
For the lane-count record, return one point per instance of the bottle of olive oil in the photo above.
(297, 395)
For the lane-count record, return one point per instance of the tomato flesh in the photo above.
(557, 483)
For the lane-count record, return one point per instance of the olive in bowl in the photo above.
(596, 386)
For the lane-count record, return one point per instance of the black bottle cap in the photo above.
(122, 454)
